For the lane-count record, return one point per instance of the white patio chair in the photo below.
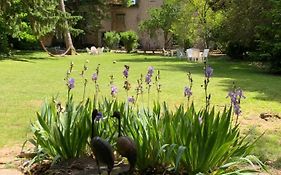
(195, 54)
(165, 52)
(100, 50)
(94, 50)
(200, 58)
(205, 54)
(88, 50)
(189, 54)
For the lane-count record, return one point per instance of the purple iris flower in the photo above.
(237, 109)
(150, 70)
(187, 91)
(126, 73)
(99, 116)
(114, 91)
(131, 100)
(70, 83)
(148, 78)
(208, 71)
(239, 93)
(233, 97)
(95, 77)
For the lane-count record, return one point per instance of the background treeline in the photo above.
(243, 29)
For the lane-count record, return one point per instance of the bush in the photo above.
(207, 141)
(130, 40)
(63, 133)
(25, 44)
(235, 50)
(183, 140)
(111, 39)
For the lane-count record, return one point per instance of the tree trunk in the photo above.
(67, 35)
(165, 39)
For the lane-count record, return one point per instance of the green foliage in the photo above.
(236, 50)
(269, 36)
(145, 128)
(4, 45)
(238, 30)
(161, 18)
(196, 22)
(186, 140)
(130, 40)
(182, 139)
(248, 29)
(45, 16)
(92, 12)
(111, 39)
(63, 134)
(208, 139)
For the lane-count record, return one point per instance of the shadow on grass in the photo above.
(146, 58)
(28, 56)
(243, 74)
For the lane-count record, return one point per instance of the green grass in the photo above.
(29, 78)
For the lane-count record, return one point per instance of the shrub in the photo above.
(236, 50)
(130, 40)
(183, 140)
(63, 133)
(25, 44)
(111, 39)
(207, 141)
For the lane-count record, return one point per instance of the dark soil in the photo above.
(77, 166)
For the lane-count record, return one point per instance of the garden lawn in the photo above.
(29, 78)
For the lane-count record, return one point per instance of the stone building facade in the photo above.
(128, 18)
(121, 18)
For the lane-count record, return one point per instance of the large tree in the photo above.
(197, 21)
(189, 21)
(47, 17)
(161, 18)
(238, 30)
(269, 35)
(66, 32)
(29, 18)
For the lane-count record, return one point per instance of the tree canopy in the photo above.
(161, 18)
(242, 29)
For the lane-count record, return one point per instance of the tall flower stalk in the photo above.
(70, 85)
(127, 85)
(95, 80)
(158, 85)
(69, 81)
(113, 88)
(187, 89)
(148, 77)
(139, 89)
(208, 73)
(235, 95)
(85, 68)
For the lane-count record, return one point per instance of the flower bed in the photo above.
(184, 140)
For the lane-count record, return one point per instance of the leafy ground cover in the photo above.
(29, 78)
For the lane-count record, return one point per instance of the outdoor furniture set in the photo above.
(94, 50)
(192, 54)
